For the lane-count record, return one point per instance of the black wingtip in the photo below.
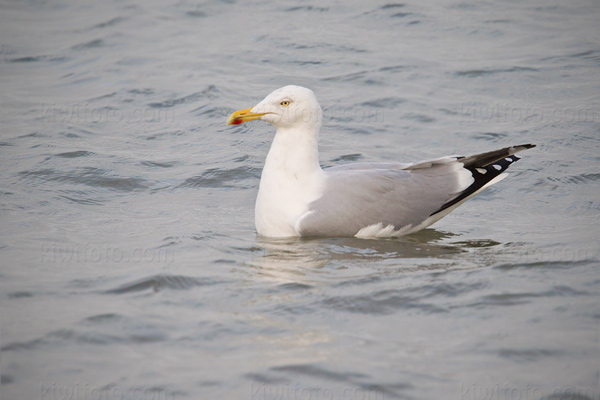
(526, 146)
(485, 172)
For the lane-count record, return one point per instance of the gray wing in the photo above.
(355, 198)
(360, 195)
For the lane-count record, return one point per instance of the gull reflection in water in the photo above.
(310, 261)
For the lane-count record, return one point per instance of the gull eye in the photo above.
(285, 103)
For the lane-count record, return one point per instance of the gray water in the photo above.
(130, 268)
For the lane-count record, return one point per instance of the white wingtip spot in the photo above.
(497, 167)
(508, 159)
(482, 171)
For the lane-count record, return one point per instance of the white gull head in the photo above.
(290, 106)
(287, 107)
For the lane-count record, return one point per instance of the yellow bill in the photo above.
(241, 116)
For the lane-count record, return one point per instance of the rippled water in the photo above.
(130, 265)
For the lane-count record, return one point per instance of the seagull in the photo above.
(297, 197)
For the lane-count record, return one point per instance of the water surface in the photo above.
(130, 264)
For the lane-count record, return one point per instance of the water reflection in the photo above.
(309, 261)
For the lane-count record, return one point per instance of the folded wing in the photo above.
(399, 197)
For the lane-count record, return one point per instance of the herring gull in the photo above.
(297, 197)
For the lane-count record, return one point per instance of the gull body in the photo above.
(297, 197)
